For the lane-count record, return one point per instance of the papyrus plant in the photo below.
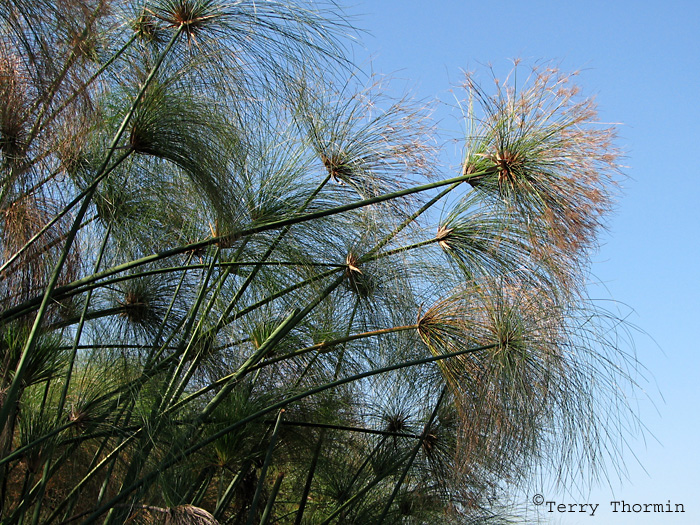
(237, 286)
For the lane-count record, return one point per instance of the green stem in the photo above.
(281, 331)
(154, 421)
(369, 457)
(200, 355)
(282, 293)
(93, 281)
(263, 470)
(186, 352)
(360, 494)
(320, 346)
(79, 331)
(154, 354)
(344, 428)
(326, 346)
(310, 478)
(271, 500)
(199, 488)
(19, 452)
(410, 219)
(222, 504)
(454, 181)
(269, 343)
(322, 435)
(78, 486)
(389, 253)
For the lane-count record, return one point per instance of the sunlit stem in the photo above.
(409, 220)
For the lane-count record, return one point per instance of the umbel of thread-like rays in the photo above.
(485, 241)
(270, 39)
(549, 159)
(20, 219)
(176, 125)
(528, 397)
(362, 142)
(14, 112)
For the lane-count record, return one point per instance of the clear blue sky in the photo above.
(641, 60)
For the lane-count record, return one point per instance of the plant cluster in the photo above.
(235, 289)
